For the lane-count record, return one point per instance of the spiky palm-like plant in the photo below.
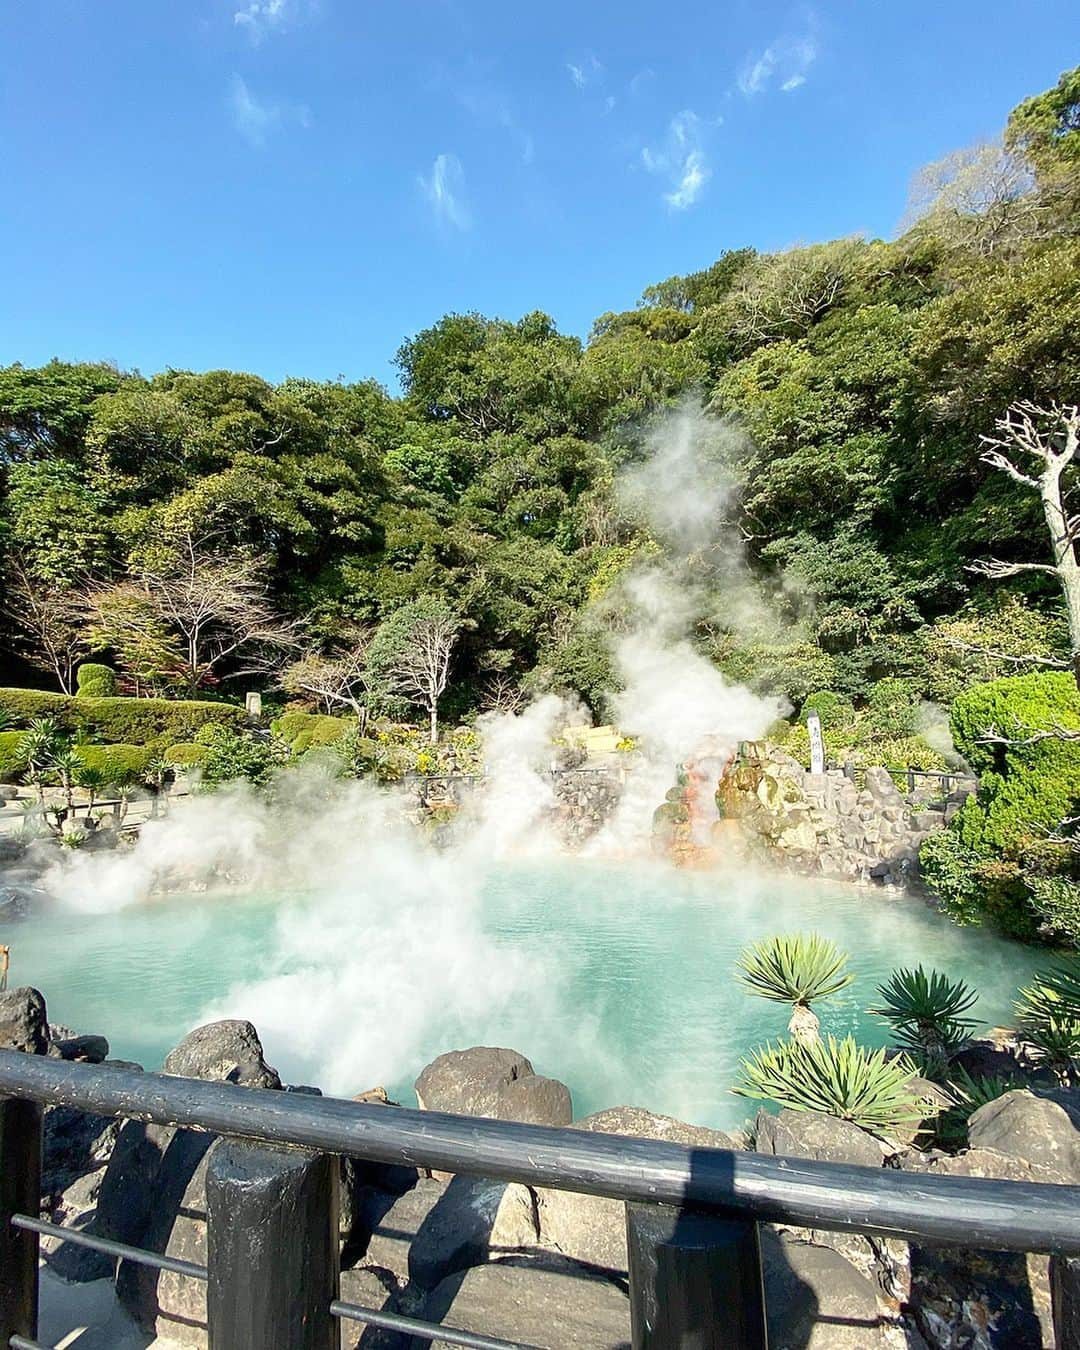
(925, 1010)
(92, 781)
(1048, 1011)
(839, 1078)
(795, 968)
(38, 745)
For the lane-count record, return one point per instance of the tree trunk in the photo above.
(434, 711)
(804, 1024)
(1066, 565)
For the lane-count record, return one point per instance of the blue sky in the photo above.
(292, 186)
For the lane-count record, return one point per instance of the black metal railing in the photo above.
(692, 1214)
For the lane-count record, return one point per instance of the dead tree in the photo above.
(421, 667)
(1035, 446)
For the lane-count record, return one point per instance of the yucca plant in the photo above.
(925, 1010)
(839, 1078)
(93, 782)
(1048, 1011)
(799, 969)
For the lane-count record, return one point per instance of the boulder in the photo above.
(539, 1301)
(536, 1100)
(1032, 1128)
(811, 1134)
(589, 1228)
(76, 1208)
(370, 1289)
(986, 1058)
(435, 1230)
(87, 1049)
(74, 1142)
(153, 1194)
(469, 1082)
(816, 1300)
(228, 1052)
(966, 1297)
(24, 1024)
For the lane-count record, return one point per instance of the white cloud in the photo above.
(445, 190)
(586, 71)
(262, 17)
(783, 63)
(255, 118)
(681, 160)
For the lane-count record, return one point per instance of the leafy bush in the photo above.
(995, 862)
(185, 755)
(12, 754)
(96, 681)
(837, 713)
(892, 708)
(156, 722)
(839, 1078)
(1056, 901)
(232, 754)
(119, 765)
(302, 730)
(1024, 789)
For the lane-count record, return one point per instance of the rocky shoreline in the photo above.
(541, 1266)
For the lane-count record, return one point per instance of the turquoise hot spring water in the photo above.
(617, 979)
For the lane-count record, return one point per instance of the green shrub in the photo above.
(157, 722)
(305, 731)
(185, 755)
(892, 708)
(119, 765)
(233, 754)
(96, 681)
(837, 713)
(1023, 790)
(1056, 901)
(949, 869)
(12, 754)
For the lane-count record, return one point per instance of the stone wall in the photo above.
(825, 823)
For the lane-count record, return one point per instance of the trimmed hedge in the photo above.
(1024, 790)
(12, 760)
(119, 765)
(96, 681)
(186, 755)
(305, 730)
(154, 722)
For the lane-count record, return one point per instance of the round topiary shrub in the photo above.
(96, 681)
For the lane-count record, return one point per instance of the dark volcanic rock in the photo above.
(24, 1024)
(228, 1051)
(87, 1049)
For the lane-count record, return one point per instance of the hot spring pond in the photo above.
(617, 979)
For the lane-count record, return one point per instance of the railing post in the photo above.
(911, 780)
(695, 1281)
(20, 1193)
(1065, 1300)
(272, 1248)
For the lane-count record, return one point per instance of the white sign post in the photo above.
(817, 745)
